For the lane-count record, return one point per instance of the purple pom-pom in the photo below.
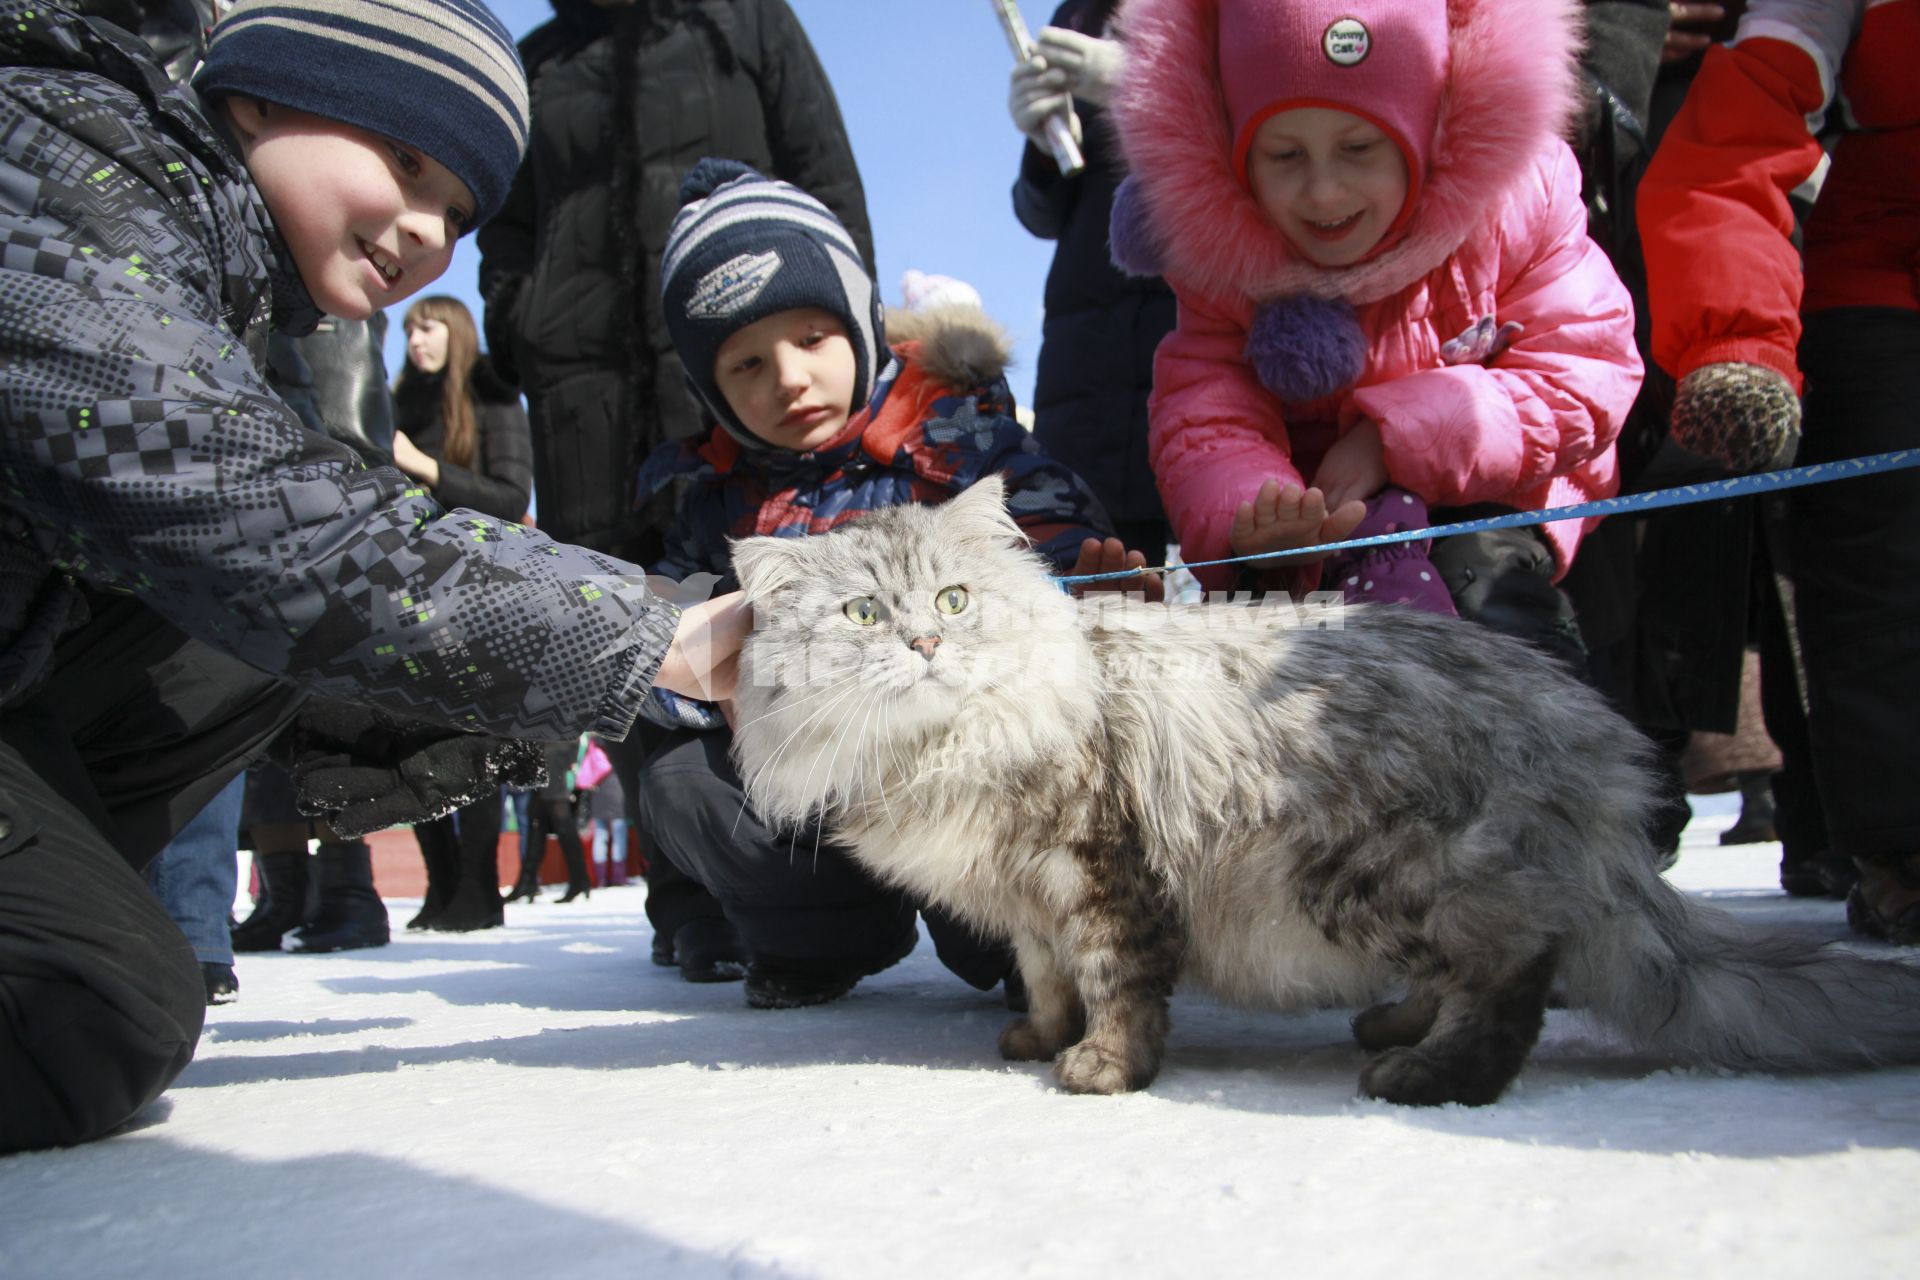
(1131, 241)
(1304, 347)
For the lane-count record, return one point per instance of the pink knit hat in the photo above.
(1382, 60)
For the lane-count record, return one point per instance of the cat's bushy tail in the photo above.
(1691, 982)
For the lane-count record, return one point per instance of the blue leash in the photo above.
(1678, 496)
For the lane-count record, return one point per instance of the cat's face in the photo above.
(909, 611)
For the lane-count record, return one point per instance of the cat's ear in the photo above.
(764, 565)
(980, 512)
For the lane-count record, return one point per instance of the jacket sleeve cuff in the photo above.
(1743, 351)
(648, 638)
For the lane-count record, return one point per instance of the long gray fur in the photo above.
(1286, 816)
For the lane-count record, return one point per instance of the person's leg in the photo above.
(439, 851)
(101, 998)
(162, 722)
(526, 884)
(135, 730)
(195, 877)
(351, 915)
(198, 872)
(814, 921)
(1855, 547)
(476, 898)
(675, 900)
(560, 820)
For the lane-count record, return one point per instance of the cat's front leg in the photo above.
(1124, 964)
(1054, 1017)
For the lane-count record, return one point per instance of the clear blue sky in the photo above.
(923, 86)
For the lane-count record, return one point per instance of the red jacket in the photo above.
(1724, 280)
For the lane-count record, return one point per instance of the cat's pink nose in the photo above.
(924, 646)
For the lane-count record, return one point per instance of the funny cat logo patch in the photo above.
(733, 285)
(1346, 42)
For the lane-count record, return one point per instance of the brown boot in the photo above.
(1885, 904)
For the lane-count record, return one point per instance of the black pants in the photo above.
(1855, 552)
(101, 999)
(673, 897)
(795, 899)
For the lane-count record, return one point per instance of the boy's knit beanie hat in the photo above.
(745, 246)
(1383, 60)
(439, 75)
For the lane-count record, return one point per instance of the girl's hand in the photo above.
(407, 457)
(1284, 518)
(1355, 468)
(1112, 556)
(704, 659)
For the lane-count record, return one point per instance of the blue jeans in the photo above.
(196, 875)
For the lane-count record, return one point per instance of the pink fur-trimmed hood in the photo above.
(1511, 89)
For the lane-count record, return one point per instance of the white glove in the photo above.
(1093, 66)
(1036, 92)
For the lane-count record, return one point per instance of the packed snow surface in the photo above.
(541, 1100)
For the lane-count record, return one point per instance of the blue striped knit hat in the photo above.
(439, 75)
(744, 247)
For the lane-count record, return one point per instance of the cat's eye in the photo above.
(951, 599)
(865, 610)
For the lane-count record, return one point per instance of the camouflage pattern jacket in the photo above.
(143, 451)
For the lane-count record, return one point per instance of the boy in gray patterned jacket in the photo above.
(181, 562)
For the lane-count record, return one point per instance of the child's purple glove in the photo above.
(1483, 340)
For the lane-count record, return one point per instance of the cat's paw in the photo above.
(1022, 1042)
(1415, 1079)
(1090, 1068)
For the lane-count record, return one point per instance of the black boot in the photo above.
(776, 983)
(283, 904)
(442, 858)
(533, 851)
(559, 817)
(476, 899)
(1755, 824)
(526, 887)
(706, 949)
(351, 914)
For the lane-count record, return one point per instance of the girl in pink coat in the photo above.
(1387, 298)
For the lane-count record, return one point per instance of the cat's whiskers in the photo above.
(852, 671)
(844, 689)
(827, 795)
(839, 740)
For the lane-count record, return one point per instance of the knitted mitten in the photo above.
(1743, 415)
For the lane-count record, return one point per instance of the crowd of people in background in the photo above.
(1324, 270)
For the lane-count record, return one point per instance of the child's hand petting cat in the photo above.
(1112, 556)
(1354, 469)
(704, 659)
(1283, 518)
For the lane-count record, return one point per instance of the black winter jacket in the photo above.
(570, 267)
(143, 451)
(501, 479)
(1096, 354)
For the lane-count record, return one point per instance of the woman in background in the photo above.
(461, 432)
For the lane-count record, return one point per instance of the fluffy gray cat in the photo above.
(1284, 815)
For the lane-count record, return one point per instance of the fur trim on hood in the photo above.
(1512, 88)
(959, 346)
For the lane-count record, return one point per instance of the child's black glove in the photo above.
(364, 770)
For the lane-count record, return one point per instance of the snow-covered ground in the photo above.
(540, 1100)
